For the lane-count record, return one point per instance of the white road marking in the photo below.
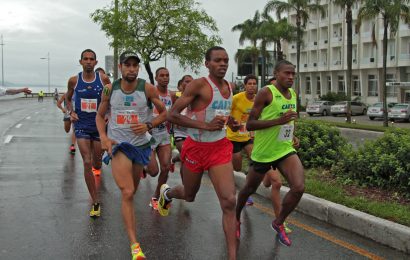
(19, 125)
(29, 117)
(8, 139)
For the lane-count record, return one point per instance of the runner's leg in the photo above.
(223, 181)
(85, 149)
(164, 157)
(152, 167)
(274, 178)
(191, 183)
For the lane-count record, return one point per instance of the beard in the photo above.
(129, 78)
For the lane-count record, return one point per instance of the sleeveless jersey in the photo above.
(128, 108)
(219, 105)
(87, 98)
(181, 131)
(241, 107)
(161, 129)
(271, 144)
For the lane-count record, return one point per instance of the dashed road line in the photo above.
(19, 125)
(8, 139)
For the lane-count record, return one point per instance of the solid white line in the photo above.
(8, 139)
(29, 117)
(19, 125)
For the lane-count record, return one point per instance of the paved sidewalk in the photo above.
(382, 231)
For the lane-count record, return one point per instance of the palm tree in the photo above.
(347, 5)
(249, 30)
(391, 11)
(302, 9)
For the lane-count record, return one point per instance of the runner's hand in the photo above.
(290, 115)
(139, 128)
(73, 116)
(216, 124)
(233, 124)
(295, 142)
(107, 144)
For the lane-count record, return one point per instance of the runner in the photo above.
(180, 132)
(127, 140)
(56, 95)
(206, 149)
(40, 96)
(86, 88)
(162, 145)
(272, 117)
(11, 91)
(241, 139)
(67, 122)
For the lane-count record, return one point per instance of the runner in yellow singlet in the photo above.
(272, 117)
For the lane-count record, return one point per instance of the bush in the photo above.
(320, 143)
(333, 96)
(383, 162)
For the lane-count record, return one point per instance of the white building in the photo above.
(323, 59)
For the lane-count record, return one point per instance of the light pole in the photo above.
(48, 69)
(2, 64)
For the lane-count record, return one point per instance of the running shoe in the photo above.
(72, 149)
(154, 203)
(287, 229)
(96, 172)
(249, 201)
(283, 238)
(163, 204)
(136, 252)
(238, 230)
(95, 211)
(172, 167)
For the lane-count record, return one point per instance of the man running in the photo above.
(87, 88)
(67, 122)
(272, 117)
(180, 132)
(206, 149)
(127, 140)
(241, 139)
(11, 91)
(162, 145)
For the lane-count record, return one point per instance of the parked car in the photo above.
(340, 108)
(399, 112)
(376, 110)
(319, 107)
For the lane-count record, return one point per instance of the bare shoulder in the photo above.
(72, 81)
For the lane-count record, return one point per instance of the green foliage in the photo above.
(333, 96)
(320, 144)
(176, 28)
(383, 162)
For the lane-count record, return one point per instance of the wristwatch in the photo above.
(149, 125)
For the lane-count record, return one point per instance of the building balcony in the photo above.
(323, 43)
(337, 18)
(366, 36)
(405, 56)
(334, 41)
(404, 30)
(324, 22)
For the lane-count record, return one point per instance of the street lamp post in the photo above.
(48, 69)
(2, 64)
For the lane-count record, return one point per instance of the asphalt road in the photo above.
(44, 208)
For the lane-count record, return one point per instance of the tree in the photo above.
(391, 11)
(176, 28)
(302, 9)
(347, 5)
(248, 31)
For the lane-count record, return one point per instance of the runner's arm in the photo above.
(68, 98)
(18, 90)
(59, 102)
(102, 110)
(105, 79)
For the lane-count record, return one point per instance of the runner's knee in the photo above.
(127, 193)
(276, 184)
(297, 188)
(228, 203)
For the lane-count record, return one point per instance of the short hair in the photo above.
(88, 50)
(183, 77)
(179, 82)
(249, 77)
(271, 79)
(210, 50)
(160, 68)
(282, 63)
(100, 69)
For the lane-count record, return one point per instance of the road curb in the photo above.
(380, 230)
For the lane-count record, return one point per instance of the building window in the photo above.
(340, 84)
(318, 90)
(391, 90)
(308, 87)
(329, 84)
(356, 86)
(372, 86)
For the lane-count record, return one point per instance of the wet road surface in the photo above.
(44, 206)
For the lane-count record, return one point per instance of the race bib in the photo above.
(125, 118)
(88, 105)
(286, 133)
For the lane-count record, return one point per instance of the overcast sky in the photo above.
(32, 28)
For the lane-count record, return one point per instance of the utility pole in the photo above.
(115, 42)
(2, 63)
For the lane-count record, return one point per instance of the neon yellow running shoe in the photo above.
(163, 203)
(287, 229)
(136, 252)
(95, 211)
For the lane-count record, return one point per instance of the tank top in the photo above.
(87, 98)
(271, 144)
(219, 105)
(127, 108)
(161, 129)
